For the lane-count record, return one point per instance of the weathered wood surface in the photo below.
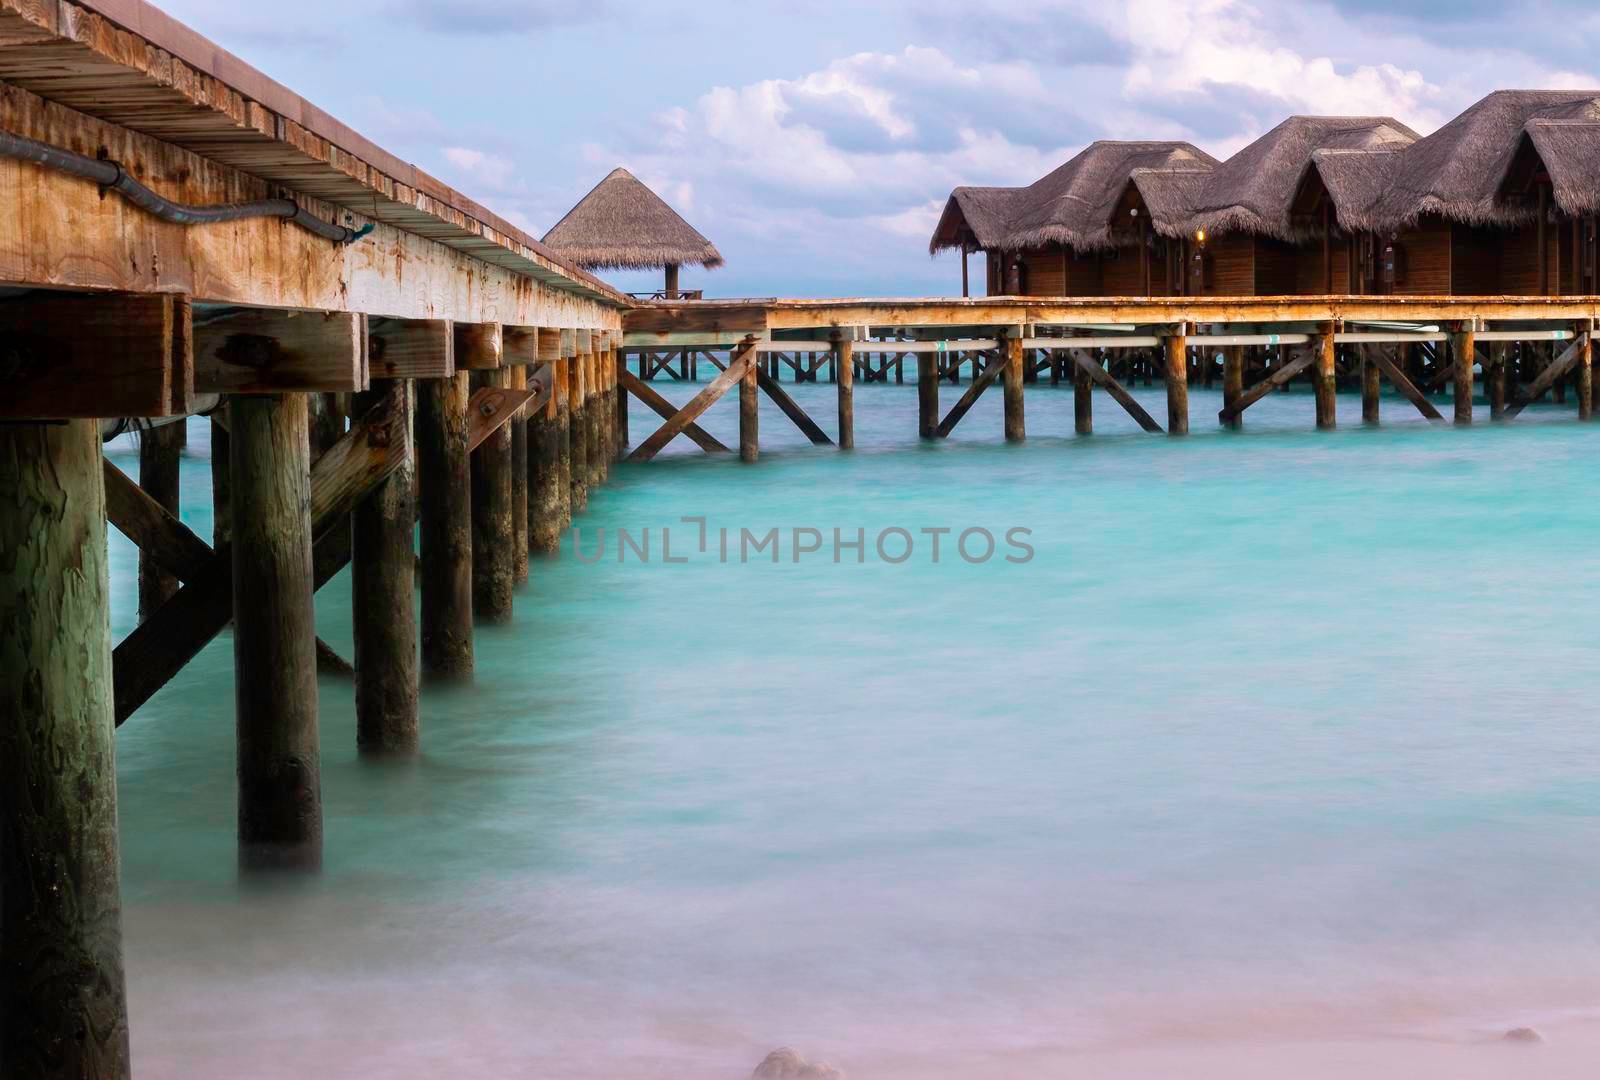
(1102, 378)
(1232, 381)
(1463, 355)
(479, 346)
(382, 592)
(1082, 401)
(1014, 423)
(445, 481)
(1404, 384)
(791, 408)
(1371, 387)
(1546, 379)
(274, 630)
(547, 487)
(927, 395)
(1176, 354)
(844, 364)
(974, 391)
(695, 407)
(578, 429)
(666, 410)
(750, 410)
(64, 356)
(160, 457)
(519, 476)
(493, 560)
(1325, 385)
(158, 648)
(63, 1008)
(491, 408)
(256, 351)
(410, 349)
(1279, 376)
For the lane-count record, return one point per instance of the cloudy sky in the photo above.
(815, 142)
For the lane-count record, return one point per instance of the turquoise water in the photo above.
(1280, 737)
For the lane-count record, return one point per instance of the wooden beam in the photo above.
(262, 351)
(791, 408)
(1547, 378)
(1326, 386)
(974, 391)
(520, 345)
(1279, 377)
(159, 647)
(1232, 380)
(1406, 387)
(410, 349)
(478, 346)
(1102, 378)
(492, 407)
(65, 356)
(696, 406)
(549, 344)
(666, 410)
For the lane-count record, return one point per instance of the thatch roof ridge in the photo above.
(1355, 180)
(1168, 195)
(1570, 151)
(1072, 205)
(1456, 171)
(622, 225)
(1253, 191)
(984, 211)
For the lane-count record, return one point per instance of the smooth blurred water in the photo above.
(1280, 734)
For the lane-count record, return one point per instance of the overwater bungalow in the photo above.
(1082, 230)
(1470, 208)
(1258, 231)
(623, 225)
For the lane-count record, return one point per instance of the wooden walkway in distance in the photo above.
(1524, 347)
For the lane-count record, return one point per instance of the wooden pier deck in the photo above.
(1523, 346)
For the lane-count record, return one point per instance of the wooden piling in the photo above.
(274, 634)
(578, 425)
(622, 437)
(1583, 373)
(519, 483)
(446, 532)
(382, 587)
(1324, 379)
(844, 366)
(1015, 426)
(1497, 373)
(594, 413)
(1463, 356)
(1176, 349)
(1233, 382)
(221, 485)
(750, 410)
(1082, 401)
(160, 452)
(493, 536)
(63, 1007)
(927, 394)
(1370, 385)
(546, 486)
(562, 397)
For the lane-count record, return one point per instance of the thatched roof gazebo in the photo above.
(623, 225)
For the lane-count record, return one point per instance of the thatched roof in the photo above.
(1168, 196)
(1070, 206)
(623, 225)
(1073, 205)
(1456, 172)
(1355, 180)
(1254, 190)
(1570, 153)
(978, 212)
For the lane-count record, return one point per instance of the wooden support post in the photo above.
(221, 485)
(160, 451)
(1370, 385)
(594, 412)
(519, 483)
(1325, 385)
(1015, 427)
(546, 487)
(742, 360)
(446, 531)
(493, 562)
(274, 634)
(1232, 384)
(1496, 373)
(844, 366)
(1585, 373)
(1463, 353)
(1082, 401)
(259, 351)
(1176, 349)
(382, 587)
(750, 407)
(63, 1007)
(623, 438)
(561, 382)
(666, 410)
(927, 394)
(1402, 382)
(1279, 377)
(578, 424)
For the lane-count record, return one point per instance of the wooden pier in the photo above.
(1524, 347)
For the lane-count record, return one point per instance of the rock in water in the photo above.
(784, 1064)
(1523, 1035)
